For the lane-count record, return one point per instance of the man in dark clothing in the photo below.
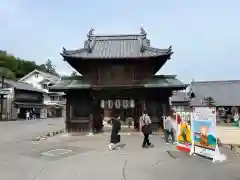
(115, 137)
(145, 123)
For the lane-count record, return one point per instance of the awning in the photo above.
(164, 81)
(29, 105)
(157, 81)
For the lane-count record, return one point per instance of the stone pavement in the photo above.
(87, 157)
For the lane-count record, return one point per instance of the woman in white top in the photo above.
(27, 115)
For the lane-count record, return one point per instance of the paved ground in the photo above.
(18, 131)
(87, 157)
(228, 135)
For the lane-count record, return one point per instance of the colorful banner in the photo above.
(184, 137)
(204, 131)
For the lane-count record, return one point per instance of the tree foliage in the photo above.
(209, 101)
(49, 67)
(14, 68)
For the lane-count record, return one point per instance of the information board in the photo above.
(204, 131)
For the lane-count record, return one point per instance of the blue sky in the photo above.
(205, 34)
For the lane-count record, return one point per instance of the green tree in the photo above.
(6, 73)
(42, 67)
(25, 67)
(50, 68)
(209, 101)
(13, 67)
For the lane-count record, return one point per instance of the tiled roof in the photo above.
(71, 82)
(50, 76)
(179, 96)
(164, 81)
(117, 46)
(224, 93)
(160, 81)
(21, 85)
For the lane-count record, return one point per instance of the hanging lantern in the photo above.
(132, 103)
(125, 104)
(110, 104)
(102, 104)
(117, 104)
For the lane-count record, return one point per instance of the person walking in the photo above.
(145, 123)
(236, 120)
(34, 114)
(115, 136)
(168, 129)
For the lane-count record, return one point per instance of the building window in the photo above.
(36, 75)
(44, 86)
(53, 98)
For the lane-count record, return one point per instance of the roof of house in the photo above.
(224, 93)
(117, 46)
(49, 76)
(78, 82)
(179, 96)
(21, 85)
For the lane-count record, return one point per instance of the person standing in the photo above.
(236, 120)
(91, 130)
(27, 115)
(34, 113)
(145, 123)
(115, 136)
(168, 129)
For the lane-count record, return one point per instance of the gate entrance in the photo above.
(128, 110)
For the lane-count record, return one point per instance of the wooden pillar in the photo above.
(68, 113)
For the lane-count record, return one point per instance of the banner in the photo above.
(204, 131)
(184, 137)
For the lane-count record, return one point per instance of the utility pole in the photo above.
(1, 98)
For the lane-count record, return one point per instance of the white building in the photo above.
(41, 80)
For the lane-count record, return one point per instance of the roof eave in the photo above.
(66, 57)
(63, 89)
(170, 86)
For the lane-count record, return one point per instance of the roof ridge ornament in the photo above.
(169, 50)
(90, 33)
(143, 32)
(64, 51)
